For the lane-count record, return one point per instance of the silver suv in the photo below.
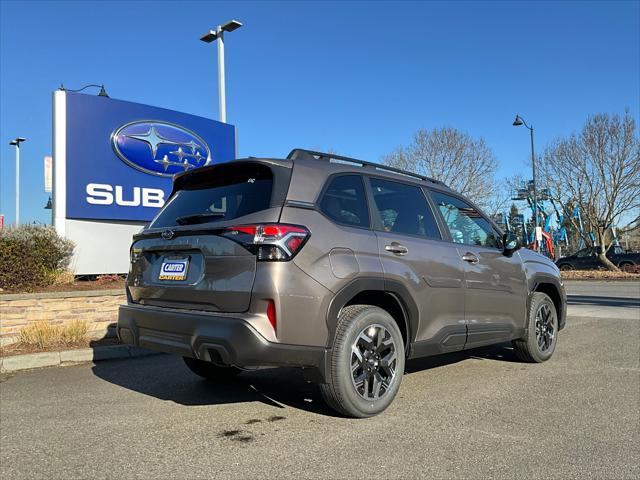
(339, 266)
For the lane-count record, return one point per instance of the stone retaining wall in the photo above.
(98, 307)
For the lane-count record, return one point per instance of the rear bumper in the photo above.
(214, 338)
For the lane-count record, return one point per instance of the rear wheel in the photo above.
(211, 371)
(627, 267)
(542, 332)
(565, 267)
(366, 364)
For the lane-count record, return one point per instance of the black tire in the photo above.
(626, 266)
(211, 371)
(364, 383)
(565, 267)
(542, 331)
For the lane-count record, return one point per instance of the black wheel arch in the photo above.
(391, 296)
(551, 286)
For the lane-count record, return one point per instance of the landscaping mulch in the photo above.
(22, 349)
(598, 275)
(77, 286)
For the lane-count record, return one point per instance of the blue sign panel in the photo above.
(121, 156)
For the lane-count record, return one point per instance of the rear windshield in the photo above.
(224, 193)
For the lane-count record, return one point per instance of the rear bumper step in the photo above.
(210, 337)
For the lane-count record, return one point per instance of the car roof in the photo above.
(320, 163)
(314, 167)
(330, 160)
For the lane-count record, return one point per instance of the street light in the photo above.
(211, 36)
(16, 143)
(516, 123)
(101, 93)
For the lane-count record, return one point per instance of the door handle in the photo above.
(396, 248)
(470, 257)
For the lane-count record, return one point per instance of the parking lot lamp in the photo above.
(516, 123)
(211, 36)
(16, 143)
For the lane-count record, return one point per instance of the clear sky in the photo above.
(355, 77)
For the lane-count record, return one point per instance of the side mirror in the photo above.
(511, 244)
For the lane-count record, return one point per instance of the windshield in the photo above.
(220, 195)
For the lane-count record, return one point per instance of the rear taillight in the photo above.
(270, 242)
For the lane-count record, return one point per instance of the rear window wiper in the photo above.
(197, 218)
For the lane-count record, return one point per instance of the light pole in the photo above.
(516, 123)
(218, 34)
(16, 143)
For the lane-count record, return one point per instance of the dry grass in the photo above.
(598, 275)
(43, 335)
(64, 277)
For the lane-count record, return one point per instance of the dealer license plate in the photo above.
(174, 269)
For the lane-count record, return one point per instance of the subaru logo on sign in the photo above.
(159, 148)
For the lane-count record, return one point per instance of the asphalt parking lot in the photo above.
(470, 415)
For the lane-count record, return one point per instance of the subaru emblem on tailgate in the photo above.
(159, 148)
(167, 234)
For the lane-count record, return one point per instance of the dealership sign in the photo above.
(120, 156)
(113, 165)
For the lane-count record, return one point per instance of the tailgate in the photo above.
(218, 273)
(183, 260)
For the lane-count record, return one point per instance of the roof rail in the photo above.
(328, 157)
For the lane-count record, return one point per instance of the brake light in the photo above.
(270, 242)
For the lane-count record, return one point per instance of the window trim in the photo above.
(377, 221)
(325, 187)
(475, 207)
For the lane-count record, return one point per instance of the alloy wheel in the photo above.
(373, 362)
(545, 327)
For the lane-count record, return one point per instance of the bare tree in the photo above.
(598, 170)
(499, 199)
(457, 159)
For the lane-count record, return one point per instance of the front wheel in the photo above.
(542, 331)
(366, 362)
(565, 267)
(211, 371)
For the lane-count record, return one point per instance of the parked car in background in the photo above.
(339, 266)
(587, 259)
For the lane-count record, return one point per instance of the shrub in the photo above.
(44, 335)
(74, 333)
(64, 277)
(32, 256)
(38, 334)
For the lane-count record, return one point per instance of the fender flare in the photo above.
(398, 291)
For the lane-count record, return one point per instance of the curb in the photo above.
(28, 361)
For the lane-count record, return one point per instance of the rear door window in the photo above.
(344, 201)
(403, 209)
(228, 192)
